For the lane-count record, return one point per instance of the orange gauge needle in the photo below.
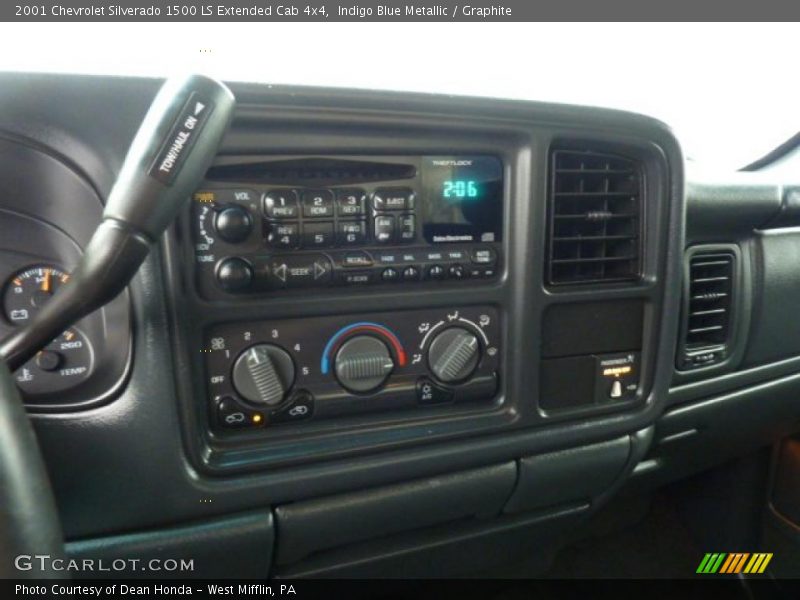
(47, 280)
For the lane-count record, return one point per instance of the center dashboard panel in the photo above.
(348, 286)
(263, 227)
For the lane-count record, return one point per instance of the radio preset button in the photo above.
(317, 204)
(318, 234)
(384, 229)
(393, 199)
(283, 235)
(351, 233)
(350, 203)
(281, 204)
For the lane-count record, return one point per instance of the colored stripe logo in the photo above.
(735, 562)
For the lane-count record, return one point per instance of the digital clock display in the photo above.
(460, 188)
(463, 199)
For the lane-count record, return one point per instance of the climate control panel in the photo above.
(271, 372)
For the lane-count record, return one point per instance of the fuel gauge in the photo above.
(29, 290)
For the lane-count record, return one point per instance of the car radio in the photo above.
(265, 224)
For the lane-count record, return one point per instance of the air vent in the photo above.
(707, 320)
(595, 218)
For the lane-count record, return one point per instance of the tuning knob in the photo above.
(234, 274)
(454, 354)
(263, 374)
(363, 363)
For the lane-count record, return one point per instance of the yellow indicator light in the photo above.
(204, 196)
(616, 371)
(257, 418)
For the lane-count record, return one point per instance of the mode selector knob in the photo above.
(263, 374)
(363, 363)
(454, 354)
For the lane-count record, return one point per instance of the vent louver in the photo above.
(595, 218)
(710, 298)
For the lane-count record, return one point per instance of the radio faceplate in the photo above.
(280, 223)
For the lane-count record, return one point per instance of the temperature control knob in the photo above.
(233, 224)
(363, 363)
(263, 374)
(454, 354)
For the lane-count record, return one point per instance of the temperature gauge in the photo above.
(62, 364)
(29, 290)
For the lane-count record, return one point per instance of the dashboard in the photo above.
(389, 327)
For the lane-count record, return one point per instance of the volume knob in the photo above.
(363, 363)
(233, 224)
(263, 374)
(454, 354)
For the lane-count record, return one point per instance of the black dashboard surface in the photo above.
(145, 458)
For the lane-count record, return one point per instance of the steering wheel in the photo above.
(172, 150)
(29, 524)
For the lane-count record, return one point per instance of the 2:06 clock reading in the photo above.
(460, 188)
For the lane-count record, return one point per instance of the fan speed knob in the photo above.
(263, 374)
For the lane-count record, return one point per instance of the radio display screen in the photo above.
(462, 199)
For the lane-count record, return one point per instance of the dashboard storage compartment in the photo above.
(591, 354)
(231, 547)
(322, 524)
(560, 478)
